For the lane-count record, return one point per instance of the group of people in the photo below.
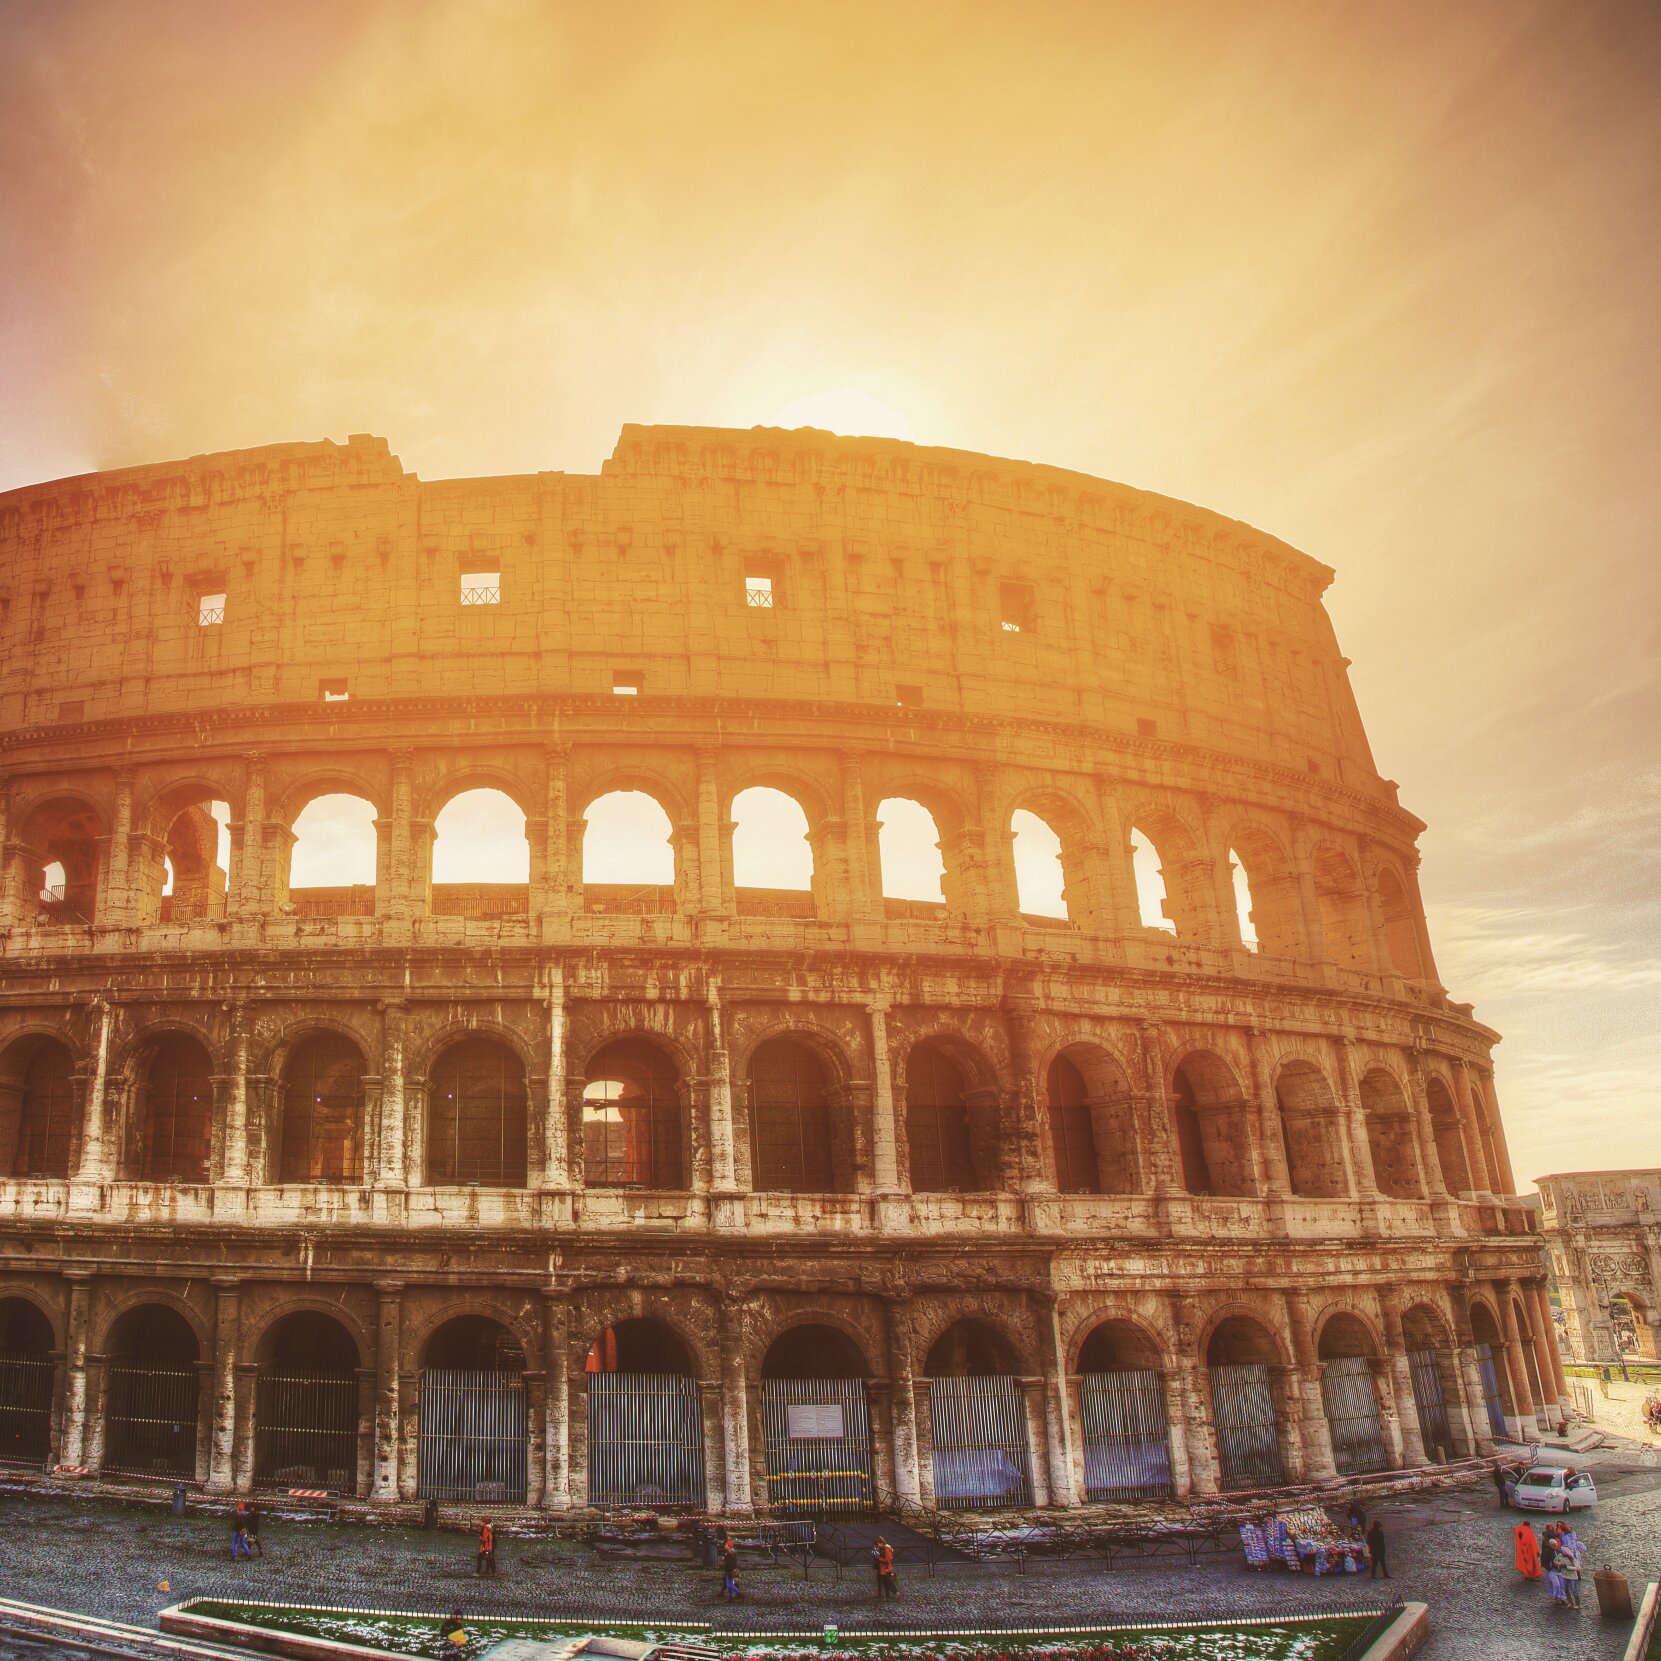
(1559, 1556)
(1652, 1413)
(882, 1560)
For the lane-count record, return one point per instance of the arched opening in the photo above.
(1401, 926)
(61, 839)
(794, 1143)
(1312, 1131)
(1092, 1118)
(191, 873)
(1265, 895)
(816, 1422)
(909, 855)
(1127, 1434)
(322, 1113)
(173, 1126)
(306, 1417)
(1347, 1354)
(1240, 1359)
(1040, 881)
(477, 1110)
(1389, 1118)
(1343, 906)
(1245, 916)
(1629, 1316)
(634, 1122)
(1212, 1133)
(982, 1453)
(1153, 901)
(1072, 1130)
(628, 858)
(1450, 1139)
(950, 1145)
(1435, 1380)
(1491, 1369)
(645, 1427)
(25, 1384)
(331, 864)
(481, 864)
(772, 857)
(152, 1394)
(39, 1109)
(473, 1417)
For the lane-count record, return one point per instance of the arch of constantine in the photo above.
(1118, 1141)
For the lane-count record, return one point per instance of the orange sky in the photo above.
(1379, 279)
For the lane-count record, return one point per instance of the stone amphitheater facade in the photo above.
(981, 1206)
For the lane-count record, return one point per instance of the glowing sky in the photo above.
(1379, 279)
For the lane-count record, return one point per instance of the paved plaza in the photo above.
(1451, 1549)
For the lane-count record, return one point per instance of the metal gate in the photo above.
(150, 1421)
(25, 1409)
(645, 1440)
(473, 1435)
(981, 1453)
(1489, 1374)
(1248, 1441)
(818, 1439)
(1352, 1415)
(1432, 1404)
(306, 1433)
(1127, 1437)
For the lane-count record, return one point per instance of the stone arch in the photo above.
(154, 1343)
(479, 853)
(1342, 1330)
(430, 801)
(1448, 1135)
(810, 793)
(1271, 903)
(62, 837)
(980, 1444)
(1038, 853)
(636, 1113)
(1345, 924)
(1123, 1416)
(478, 1114)
(636, 777)
(1348, 1350)
(1493, 1365)
(178, 874)
(1388, 1112)
(476, 1335)
(306, 1399)
(1312, 1130)
(40, 1105)
(1094, 1146)
(972, 1346)
(908, 872)
(320, 1120)
(1109, 1339)
(953, 1137)
(120, 1304)
(1246, 1380)
(774, 856)
(1210, 1124)
(822, 1349)
(293, 1307)
(474, 1420)
(630, 851)
(1182, 868)
(1401, 923)
(28, 1338)
(1427, 1343)
(43, 1320)
(801, 1137)
(1424, 1326)
(169, 1133)
(337, 778)
(330, 867)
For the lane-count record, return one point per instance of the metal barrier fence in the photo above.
(1490, 1377)
(1352, 1415)
(817, 1434)
(473, 1435)
(981, 1452)
(1430, 1401)
(645, 1440)
(25, 1409)
(1127, 1436)
(150, 1421)
(1248, 1440)
(306, 1432)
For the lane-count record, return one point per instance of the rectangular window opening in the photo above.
(210, 609)
(1017, 608)
(626, 683)
(1146, 728)
(759, 593)
(333, 691)
(481, 588)
(908, 697)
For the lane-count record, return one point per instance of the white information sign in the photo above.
(811, 1423)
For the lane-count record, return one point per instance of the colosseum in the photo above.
(960, 1029)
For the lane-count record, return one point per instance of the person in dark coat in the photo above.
(1375, 1545)
(729, 1570)
(251, 1529)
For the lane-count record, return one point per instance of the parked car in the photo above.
(1549, 1488)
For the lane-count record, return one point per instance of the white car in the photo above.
(1547, 1488)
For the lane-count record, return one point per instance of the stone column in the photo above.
(388, 1418)
(902, 1371)
(1522, 1394)
(1470, 1128)
(1496, 1134)
(1361, 1149)
(735, 1406)
(1028, 1167)
(556, 1142)
(714, 860)
(1470, 1374)
(1193, 1458)
(234, 1141)
(401, 890)
(1317, 1438)
(253, 884)
(1032, 1399)
(393, 1148)
(1154, 1118)
(1276, 1178)
(118, 904)
(997, 848)
(72, 1449)
(1057, 1419)
(1424, 1134)
(94, 1167)
(551, 886)
(1401, 1381)
(556, 1436)
(727, 1196)
(891, 1186)
(1118, 909)
(1554, 1350)
(864, 894)
(1309, 899)
(222, 1437)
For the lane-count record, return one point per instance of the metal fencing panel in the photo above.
(473, 1435)
(25, 1409)
(1351, 1406)
(981, 1452)
(1127, 1438)
(306, 1433)
(818, 1440)
(1430, 1401)
(1248, 1441)
(645, 1440)
(1489, 1374)
(150, 1421)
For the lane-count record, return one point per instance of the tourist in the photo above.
(1528, 1551)
(251, 1529)
(487, 1549)
(1501, 1477)
(882, 1560)
(1570, 1556)
(1358, 1520)
(239, 1535)
(729, 1570)
(452, 1634)
(1375, 1546)
(1548, 1561)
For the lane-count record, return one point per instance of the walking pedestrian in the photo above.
(1376, 1548)
(1500, 1474)
(1548, 1561)
(1528, 1552)
(239, 1535)
(729, 1570)
(251, 1529)
(882, 1560)
(487, 1549)
(1570, 1555)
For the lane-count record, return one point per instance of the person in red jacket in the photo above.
(882, 1560)
(487, 1548)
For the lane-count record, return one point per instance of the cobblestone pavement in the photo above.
(1452, 1549)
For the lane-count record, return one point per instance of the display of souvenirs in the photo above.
(1306, 1541)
